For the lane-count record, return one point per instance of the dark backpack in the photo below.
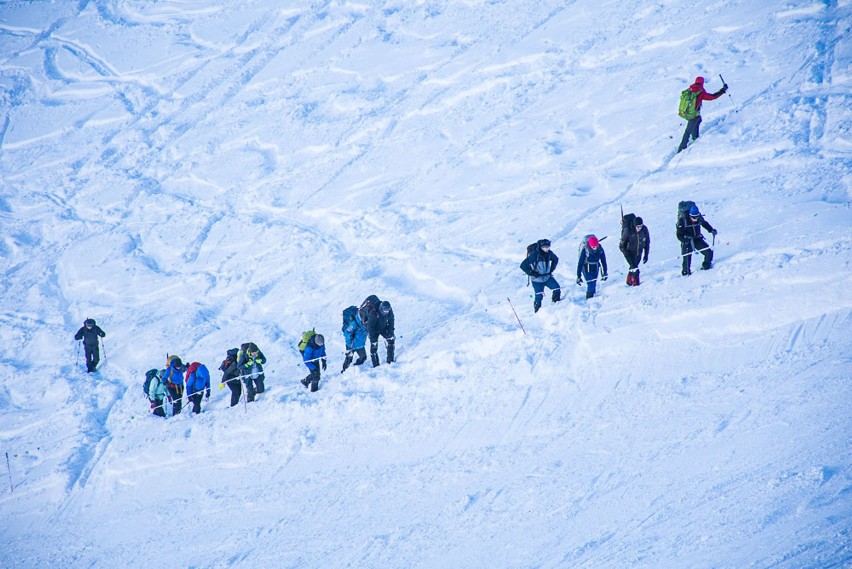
(531, 248)
(349, 315)
(149, 376)
(683, 209)
(306, 337)
(688, 107)
(628, 225)
(370, 304)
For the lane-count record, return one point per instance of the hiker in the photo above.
(355, 336)
(250, 362)
(314, 357)
(689, 234)
(591, 256)
(539, 265)
(89, 334)
(231, 375)
(377, 316)
(693, 114)
(197, 382)
(173, 380)
(156, 391)
(635, 244)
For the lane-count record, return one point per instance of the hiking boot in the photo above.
(305, 381)
(556, 296)
(686, 272)
(706, 267)
(589, 295)
(536, 306)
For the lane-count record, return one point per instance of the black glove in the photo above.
(208, 393)
(622, 247)
(579, 280)
(645, 260)
(535, 274)
(323, 365)
(724, 87)
(714, 232)
(603, 278)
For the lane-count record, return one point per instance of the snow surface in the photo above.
(197, 173)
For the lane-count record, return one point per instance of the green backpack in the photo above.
(306, 337)
(688, 108)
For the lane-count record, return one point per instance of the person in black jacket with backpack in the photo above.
(377, 316)
(89, 333)
(231, 375)
(635, 244)
(689, 234)
(539, 265)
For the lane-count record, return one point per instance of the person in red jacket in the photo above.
(692, 124)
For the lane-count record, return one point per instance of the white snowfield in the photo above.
(195, 174)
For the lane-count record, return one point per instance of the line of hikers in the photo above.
(635, 245)
(243, 366)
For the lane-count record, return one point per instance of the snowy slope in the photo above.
(196, 174)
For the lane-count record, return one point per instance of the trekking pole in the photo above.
(729, 95)
(9, 468)
(516, 316)
(77, 357)
(103, 345)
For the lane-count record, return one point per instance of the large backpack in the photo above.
(683, 209)
(688, 108)
(531, 248)
(628, 225)
(349, 315)
(370, 304)
(200, 378)
(584, 244)
(306, 337)
(149, 377)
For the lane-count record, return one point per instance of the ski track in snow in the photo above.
(194, 174)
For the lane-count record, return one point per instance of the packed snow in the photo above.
(195, 174)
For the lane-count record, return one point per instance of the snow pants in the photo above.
(539, 291)
(688, 246)
(691, 130)
(362, 357)
(93, 356)
(254, 385)
(236, 389)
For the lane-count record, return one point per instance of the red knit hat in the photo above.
(593, 242)
(699, 80)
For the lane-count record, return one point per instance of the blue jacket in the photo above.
(312, 352)
(173, 375)
(540, 265)
(590, 259)
(355, 333)
(197, 378)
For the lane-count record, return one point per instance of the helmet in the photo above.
(693, 211)
(319, 340)
(385, 307)
(89, 322)
(593, 242)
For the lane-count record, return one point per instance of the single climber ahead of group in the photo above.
(377, 315)
(695, 94)
(539, 265)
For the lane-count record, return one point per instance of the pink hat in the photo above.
(593, 242)
(699, 80)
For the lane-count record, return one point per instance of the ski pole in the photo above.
(516, 316)
(729, 95)
(9, 468)
(77, 357)
(103, 345)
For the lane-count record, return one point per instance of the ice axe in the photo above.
(729, 95)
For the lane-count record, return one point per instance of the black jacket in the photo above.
(540, 265)
(89, 335)
(376, 322)
(635, 243)
(688, 229)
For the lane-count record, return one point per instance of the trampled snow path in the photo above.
(197, 174)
